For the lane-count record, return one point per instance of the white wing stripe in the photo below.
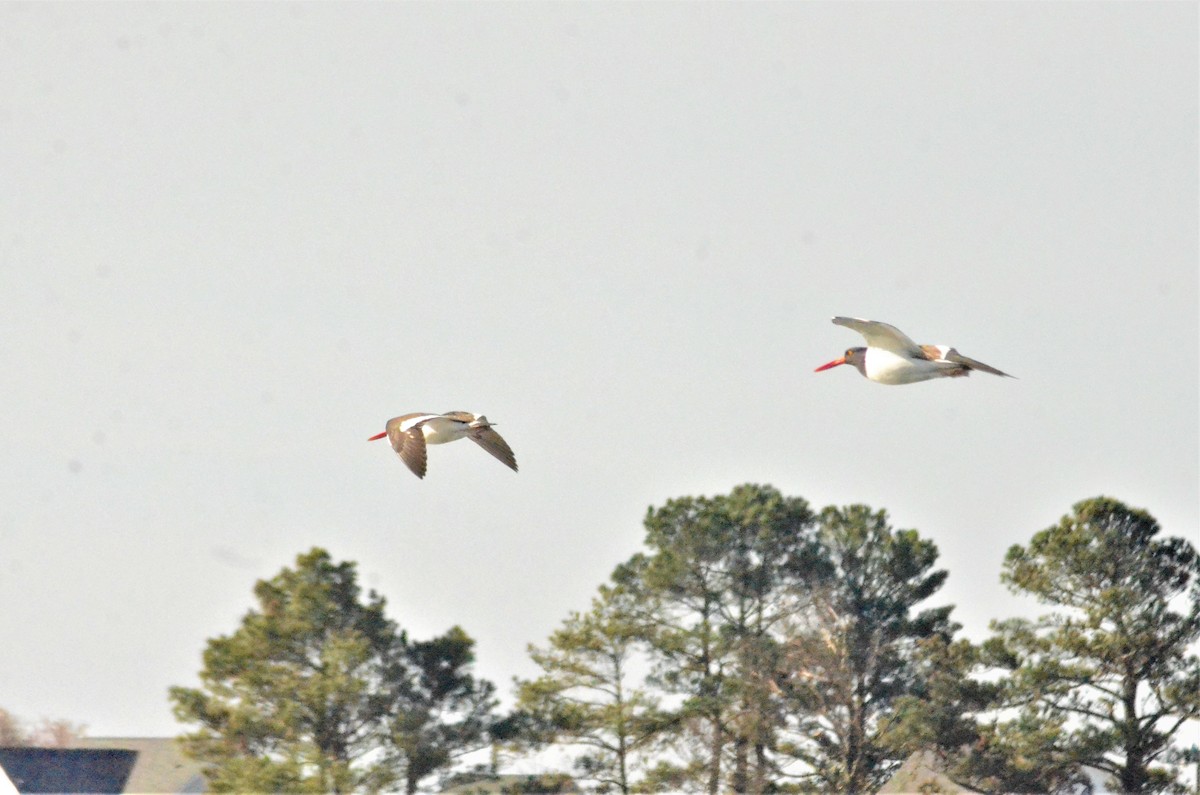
(412, 421)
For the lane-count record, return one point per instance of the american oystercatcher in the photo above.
(411, 432)
(892, 358)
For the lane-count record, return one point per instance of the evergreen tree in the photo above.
(951, 713)
(853, 656)
(446, 711)
(1112, 666)
(306, 695)
(711, 591)
(939, 711)
(587, 694)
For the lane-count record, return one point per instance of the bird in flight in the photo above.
(410, 433)
(892, 358)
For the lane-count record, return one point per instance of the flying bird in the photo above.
(892, 358)
(411, 432)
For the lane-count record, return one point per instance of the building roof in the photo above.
(160, 766)
(504, 784)
(83, 770)
(922, 773)
(102, 765)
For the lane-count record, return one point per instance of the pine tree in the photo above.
(446, 712)
(951, 713)
(712, 591)
(588, 695)
(1112, 664)
(853, 656)
(314, 691)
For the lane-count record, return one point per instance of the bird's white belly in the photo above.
(440, 430)
(885, 367)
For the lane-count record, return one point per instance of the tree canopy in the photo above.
(318, 691)
(854, 655)
(753, 645)
(721, 578)
(1114, 657)
(793, 650)
(587, 694)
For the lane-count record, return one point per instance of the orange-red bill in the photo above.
(834, 363)
(377, 436)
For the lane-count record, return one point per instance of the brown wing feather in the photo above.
(931, 352)
(490, 440)
(956, 357)
(410, 446)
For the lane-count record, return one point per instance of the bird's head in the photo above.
(854, 356)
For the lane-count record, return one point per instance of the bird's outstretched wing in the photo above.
(489, 440)
(410, 446)
(882, 335)
(954, 356)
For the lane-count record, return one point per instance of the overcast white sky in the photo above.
(236, 238)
